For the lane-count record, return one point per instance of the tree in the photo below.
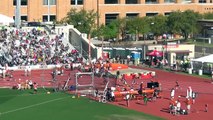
(138, 26)
(110, 31)
(208, 15)
(184, 23)
(82, 20)
(98, 32)
(158, 25)
(173, 23)
(120, 24)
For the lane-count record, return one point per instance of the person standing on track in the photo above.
(212, 76)
(188, 104)
(189, 92)
(28, 70)
(145, 99)
(5, 70)
(30, 84)
(127, 99)
(177, 86)
(172, 93)
(35, 87)
(206, 108)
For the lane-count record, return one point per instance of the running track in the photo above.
(157, 108)
(160, 106)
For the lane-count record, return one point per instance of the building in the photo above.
(207, 28)
(175, 52)
(39, 10)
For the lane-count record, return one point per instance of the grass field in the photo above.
(24, 105)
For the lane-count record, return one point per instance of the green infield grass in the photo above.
(25, 105)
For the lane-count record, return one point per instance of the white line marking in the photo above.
(26, 107)
(22, 95)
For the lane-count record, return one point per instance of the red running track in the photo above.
(160, 106)
(157, 108)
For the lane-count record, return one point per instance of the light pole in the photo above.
(18, 13)
(48, 4)
(97, 14)
(203, 48)
(102, 49)
(89, 38)
(163, 56)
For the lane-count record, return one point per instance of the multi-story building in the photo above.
(39, 10)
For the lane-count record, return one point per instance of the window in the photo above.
(131, 15)
(131, 1)
(52, 2)
(202, 1)
(23, 2)
(45, 18)
(167, 13)
(186, 1)
(24, 18)
(110, 17)
(151, 1)
(169, 1)
(151, 14)
(77, 2)
(80, 2)
(72, 2)
(111, 1)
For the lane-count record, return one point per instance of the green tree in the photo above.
(84, 21)
(120, 24)
(98, 32)
(158, 25)
(173, 23)
(208, 15)
(183, 23)
(138, 26)
(110, 31)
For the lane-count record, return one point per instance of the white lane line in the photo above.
(21, 95)
(34, 105)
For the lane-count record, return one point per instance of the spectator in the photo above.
(128, 59)
(34, 47)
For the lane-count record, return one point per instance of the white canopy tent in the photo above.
(5, 20)
(204, 63)
(205, 59)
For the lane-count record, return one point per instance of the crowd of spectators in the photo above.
(21, 47)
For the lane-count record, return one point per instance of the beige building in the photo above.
(38, 10)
